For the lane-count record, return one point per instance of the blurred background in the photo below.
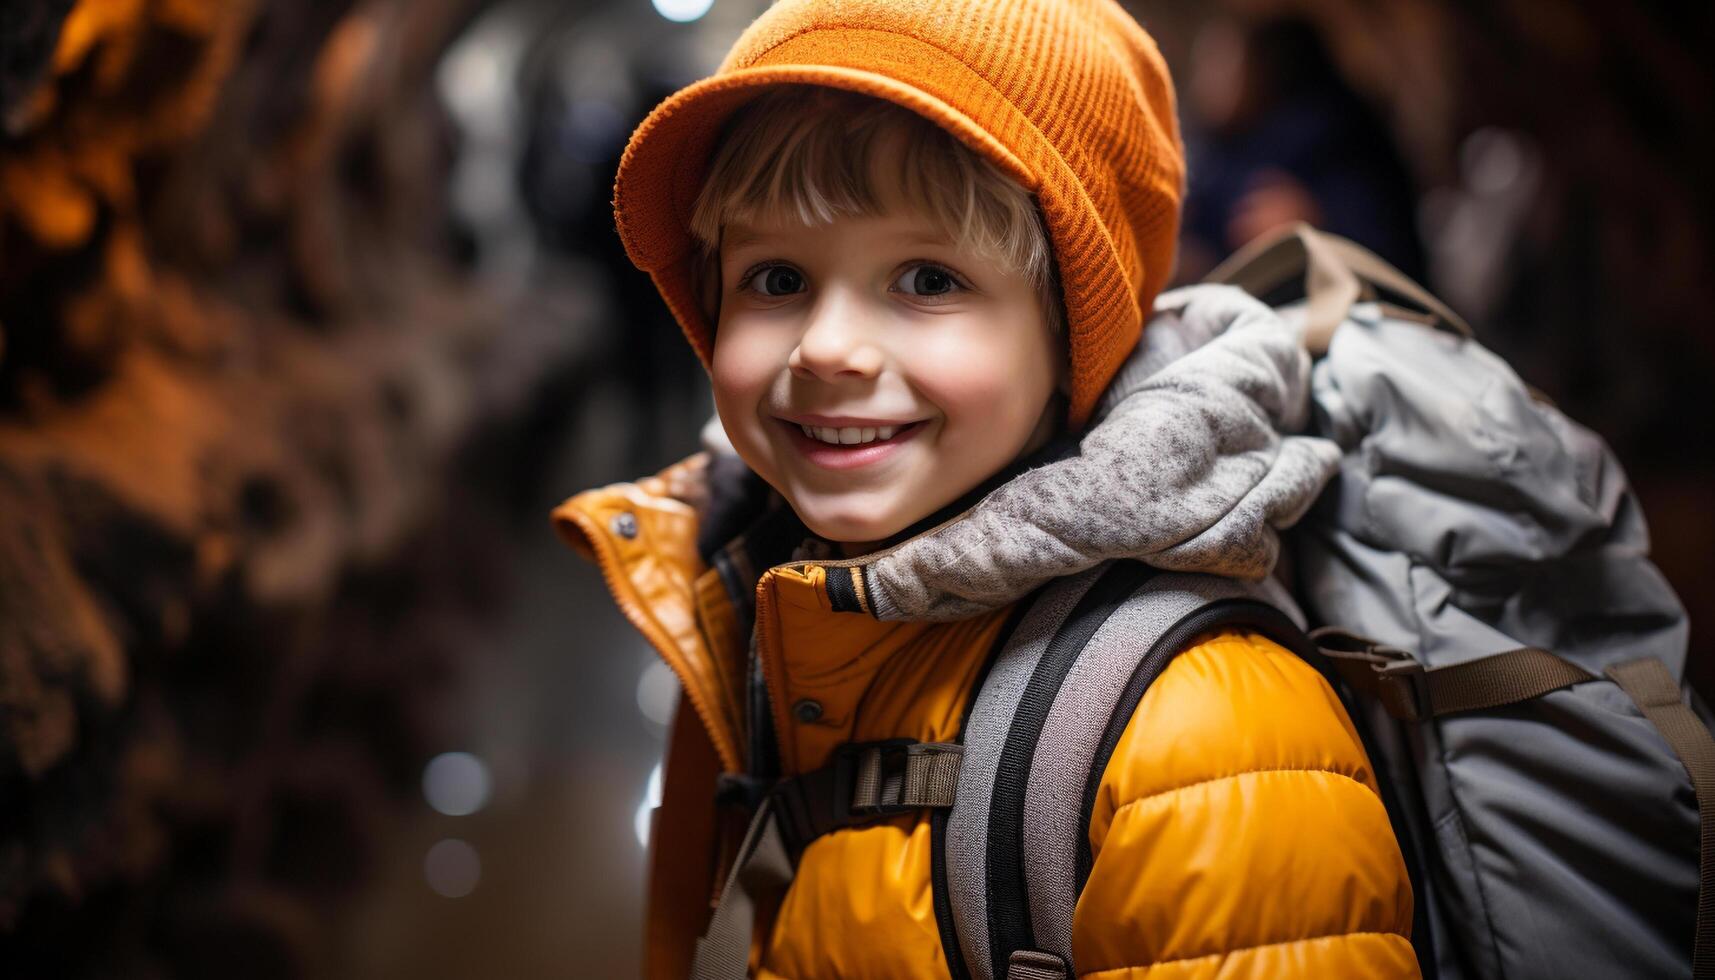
(310, 312)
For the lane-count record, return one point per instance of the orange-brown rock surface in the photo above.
(238, 361)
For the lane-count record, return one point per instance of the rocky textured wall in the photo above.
(245, 379)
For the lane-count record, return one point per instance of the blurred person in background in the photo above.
(1274, 135)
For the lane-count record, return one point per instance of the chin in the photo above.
(850, 529)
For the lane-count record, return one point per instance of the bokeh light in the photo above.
(657, 693)
(682, 10)
(456, 783)
(646, 809)
(452, 868)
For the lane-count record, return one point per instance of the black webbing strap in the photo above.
(865, 782)
(1657, 694)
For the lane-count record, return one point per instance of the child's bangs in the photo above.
(809, 154)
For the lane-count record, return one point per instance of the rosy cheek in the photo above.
(737, 346)
(959, 389)
(728, 375)
(744, 368)
(970, 379)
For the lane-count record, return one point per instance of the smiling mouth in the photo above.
(848, 455)
(853, 435)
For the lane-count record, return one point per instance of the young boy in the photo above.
(913, 243)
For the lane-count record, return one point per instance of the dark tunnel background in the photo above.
(309, 313)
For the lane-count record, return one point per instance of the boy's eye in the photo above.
(927, 280)
(779, 280)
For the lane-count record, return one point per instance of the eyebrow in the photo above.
(740, 238)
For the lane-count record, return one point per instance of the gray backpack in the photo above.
(1485, 607)
(1515, 657)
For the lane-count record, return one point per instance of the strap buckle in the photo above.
(1402, 684)
(870, 777)
(866, 781)
(1389, 674)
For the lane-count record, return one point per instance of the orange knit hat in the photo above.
(1068, 97)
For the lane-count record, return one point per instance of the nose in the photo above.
(838, 342)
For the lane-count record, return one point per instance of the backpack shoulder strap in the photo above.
(1044, 723)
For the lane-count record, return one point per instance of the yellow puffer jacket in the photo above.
(1238, 830)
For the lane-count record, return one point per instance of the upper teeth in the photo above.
(850, 435)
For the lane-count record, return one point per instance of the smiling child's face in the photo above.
(918, 367)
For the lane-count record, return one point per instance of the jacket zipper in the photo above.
(763, 762)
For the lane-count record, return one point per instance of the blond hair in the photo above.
(805, 151)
